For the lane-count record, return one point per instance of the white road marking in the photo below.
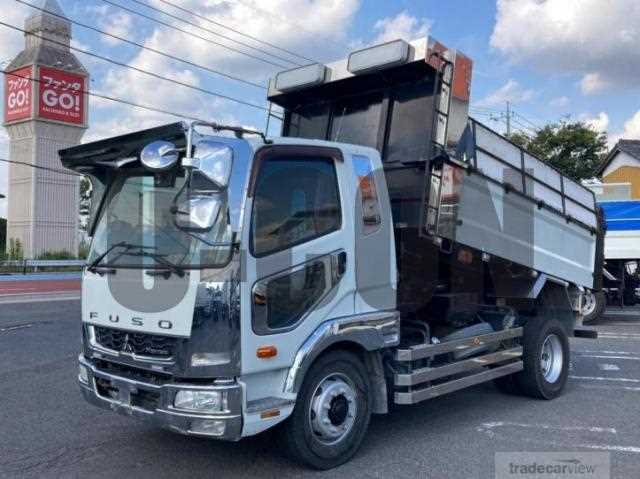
(596, 378)
(609, 387)
(618, 336)
(608, 367)
(607, 447)
(487, 426)
(605, 352)
(622, 324)
(15, 328)
(595, 356)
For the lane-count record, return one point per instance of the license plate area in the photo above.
(127, 395)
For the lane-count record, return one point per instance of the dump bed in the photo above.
(501, 200)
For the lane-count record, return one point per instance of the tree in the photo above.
(574, 148)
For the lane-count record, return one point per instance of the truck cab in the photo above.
(205, 283)
(385, 250)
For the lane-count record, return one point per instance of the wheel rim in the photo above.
(589, 304)
(551, 358)
(333, 409)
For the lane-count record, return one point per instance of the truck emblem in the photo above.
(126, 347)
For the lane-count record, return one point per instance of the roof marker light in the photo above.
(379, 57)
(303, 77)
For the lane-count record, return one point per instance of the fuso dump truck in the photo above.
(386, 250)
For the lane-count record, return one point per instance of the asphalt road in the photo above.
(46, 430)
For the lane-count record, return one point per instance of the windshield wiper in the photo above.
(94, 265)
(174, 268)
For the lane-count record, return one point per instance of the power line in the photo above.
(38, 167)
(116, 100)
(537, 127)
(193, 24)
(140, 70)
(195, 35)
(283, 19)
(222, 25)
(144, 47)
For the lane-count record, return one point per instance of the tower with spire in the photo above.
(46, 108)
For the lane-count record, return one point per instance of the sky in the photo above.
(552, 59)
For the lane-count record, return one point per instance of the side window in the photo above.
(296, 199)
(280, 303)
(368, 193)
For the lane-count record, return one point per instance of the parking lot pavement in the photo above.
(48, 431)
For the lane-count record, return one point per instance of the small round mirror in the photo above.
(159, 156)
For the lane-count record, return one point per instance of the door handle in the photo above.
(259, 299)
(338, 266)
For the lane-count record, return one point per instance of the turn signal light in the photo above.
(266, 352)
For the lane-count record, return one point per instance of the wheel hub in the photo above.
(551, 358)
(333, 409)
(589, 305)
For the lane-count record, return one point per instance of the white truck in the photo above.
(619, 284)
(386, 250)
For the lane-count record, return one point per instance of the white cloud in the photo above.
(559, 102)
(599, 123)
(631, 131)
(117, 23)
(593, 83)
(511, 91)
(402, 26)
(13, 41)
(594, 39)
(323, 25)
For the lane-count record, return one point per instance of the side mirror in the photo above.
(213, 160)
(159, 156)
(198, 213)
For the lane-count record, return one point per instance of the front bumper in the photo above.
(153, 401)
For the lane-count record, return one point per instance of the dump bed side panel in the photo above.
(503, 201)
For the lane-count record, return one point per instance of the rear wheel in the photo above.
(546, 359)
(332, 412)
(594, 305)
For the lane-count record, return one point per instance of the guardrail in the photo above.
(34, 264)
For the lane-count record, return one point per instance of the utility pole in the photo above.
(509, 118)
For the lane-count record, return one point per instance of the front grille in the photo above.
(140, 344)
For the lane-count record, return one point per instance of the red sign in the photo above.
(61, 96)
(18, 95)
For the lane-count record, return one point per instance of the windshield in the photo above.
(136, 227)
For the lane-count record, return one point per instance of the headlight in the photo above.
(202, 401)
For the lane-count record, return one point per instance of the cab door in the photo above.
(299, 232)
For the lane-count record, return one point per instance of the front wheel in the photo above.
(546, 357)
(332, 412)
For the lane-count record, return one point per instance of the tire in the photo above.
(596, 304)
(305, 436)
(544, 338)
